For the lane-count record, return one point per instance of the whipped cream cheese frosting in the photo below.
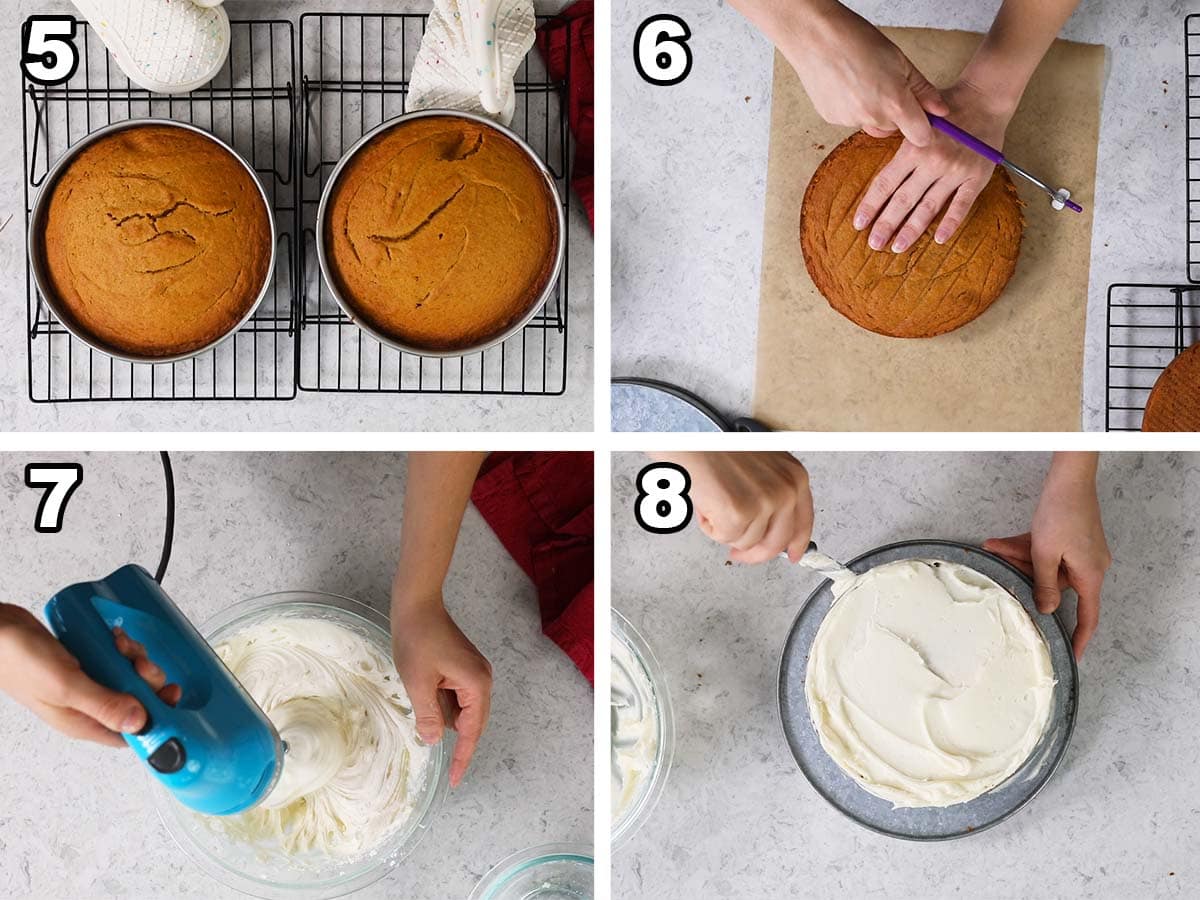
(927, 682)
(635, 727)
(354, 767)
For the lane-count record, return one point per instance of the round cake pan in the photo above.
(263, 873)
(927, 823)
(637, 814)
(560, 251)
(37, 221)
(549, 872)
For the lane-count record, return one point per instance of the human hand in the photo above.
(852, 73)
(757, 503)
(448, 680)
(1066, 546)
(40, 673)
(910, 191)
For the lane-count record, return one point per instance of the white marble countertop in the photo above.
(308, 411)
(77, 820)
(690, 164)
(738, 819)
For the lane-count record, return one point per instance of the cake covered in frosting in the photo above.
(441, 233)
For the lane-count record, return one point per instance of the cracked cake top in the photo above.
(157, 241)
(441, 233)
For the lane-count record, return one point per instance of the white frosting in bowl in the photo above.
(355, 767)
(635, 725)
(928, 683)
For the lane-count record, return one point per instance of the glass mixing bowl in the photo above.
(637, 812)
(549, 872)
(272, 875)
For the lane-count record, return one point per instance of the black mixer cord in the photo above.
(169, 535)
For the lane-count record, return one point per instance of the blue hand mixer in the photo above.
(215, 750)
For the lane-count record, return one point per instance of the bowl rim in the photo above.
(560, 253)
(635, 817)
(519, 861)
(381, 865)
(37, 261)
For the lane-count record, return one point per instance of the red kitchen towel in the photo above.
(540, 506)
(567, 45)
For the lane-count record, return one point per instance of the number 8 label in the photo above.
(663, 505)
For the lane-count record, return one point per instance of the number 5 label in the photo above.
(60, 479)
(48, 52)
(663, 505)
(660, 50)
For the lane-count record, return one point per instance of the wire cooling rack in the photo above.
(355, 71)
(252, 106)
(1148, 325)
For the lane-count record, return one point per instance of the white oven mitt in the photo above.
(470, 55)
(165, 46)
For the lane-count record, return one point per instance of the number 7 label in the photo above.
(61, 480)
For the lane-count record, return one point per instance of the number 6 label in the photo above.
(48, 52)
(663, 505)
(660, 50)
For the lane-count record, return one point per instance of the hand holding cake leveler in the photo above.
(1058, 199)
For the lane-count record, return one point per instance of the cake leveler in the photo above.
(1058, 199)
(215, 750)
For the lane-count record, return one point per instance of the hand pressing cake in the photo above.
(1174, 403)
(157, 242)
(441, 234)
(931, 288)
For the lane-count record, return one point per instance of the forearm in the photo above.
(1073, 468)
(437, 491)
(1013, 48)
(786, 22)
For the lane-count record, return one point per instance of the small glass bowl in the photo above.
(637, 813)
(548, 872)
(253, 871)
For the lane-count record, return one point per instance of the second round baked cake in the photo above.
(441, 233)
(1174, 403)
(157, 241)
(929, 289)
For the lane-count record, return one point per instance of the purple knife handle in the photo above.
(967, 140)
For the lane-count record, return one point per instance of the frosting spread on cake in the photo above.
(928, 683)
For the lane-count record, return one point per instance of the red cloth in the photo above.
(568, 48)
(540, 506)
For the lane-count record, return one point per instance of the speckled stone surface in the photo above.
(77, 820)
(309, 411)
(690, 164)
(738, 819)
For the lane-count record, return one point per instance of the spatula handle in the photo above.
(967, 139)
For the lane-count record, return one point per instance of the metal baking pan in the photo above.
(520, 323)
(927, 823)
(37, 221)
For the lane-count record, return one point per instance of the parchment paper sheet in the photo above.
(1018, 367)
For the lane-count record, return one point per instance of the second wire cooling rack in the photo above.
(355, 76)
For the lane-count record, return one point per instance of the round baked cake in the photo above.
(157, 242)
(1174, 403)
(441, 233)
(929, 289)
